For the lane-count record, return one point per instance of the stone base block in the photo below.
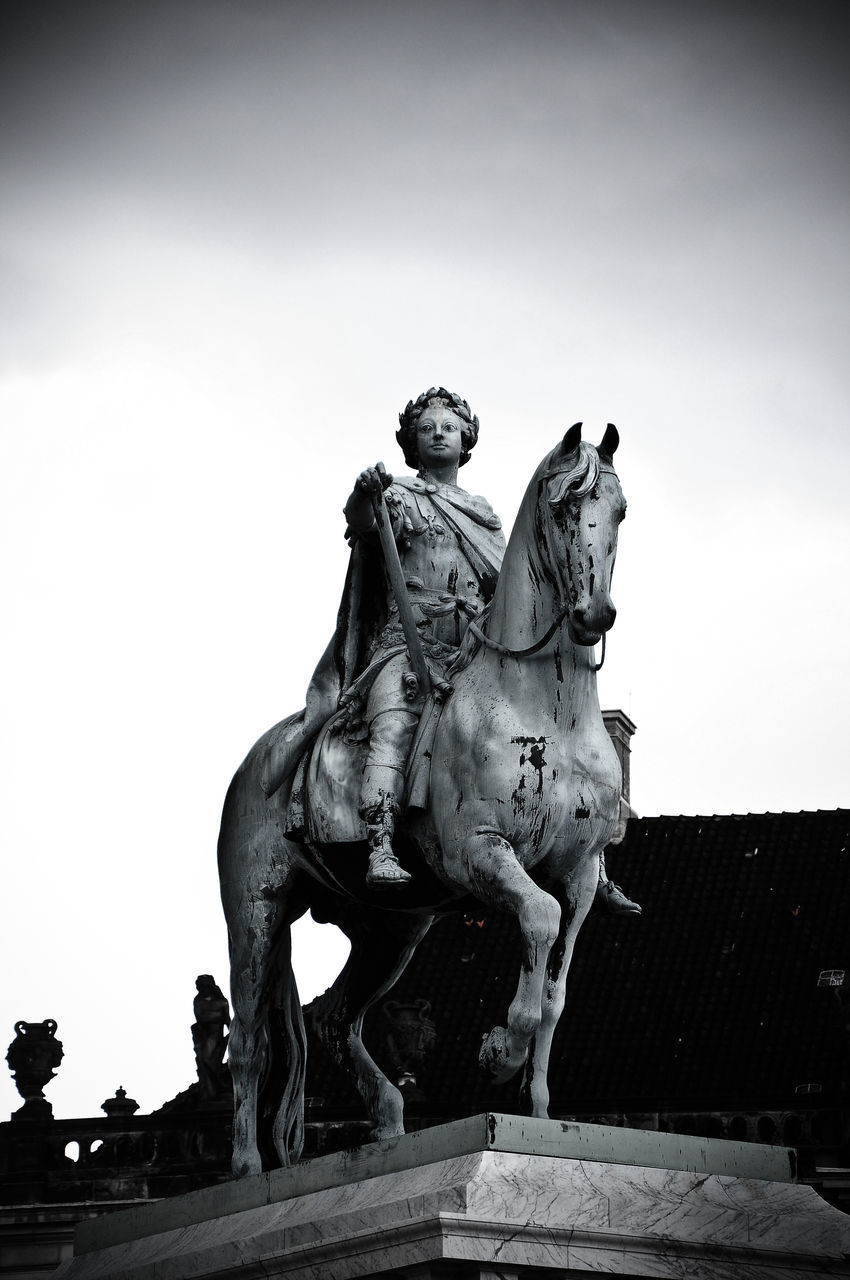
(493, 1196)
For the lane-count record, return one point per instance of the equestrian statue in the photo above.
(451, 750)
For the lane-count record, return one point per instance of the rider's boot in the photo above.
(611, 896)
(384, 869)
(390, 735)
(380, 798)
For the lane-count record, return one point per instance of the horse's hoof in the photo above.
(381, 1132)
(495, 1056)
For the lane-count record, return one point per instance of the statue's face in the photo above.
(438, 436)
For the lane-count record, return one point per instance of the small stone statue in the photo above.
(33, 1057)
(410, 1040)
(212, 1015)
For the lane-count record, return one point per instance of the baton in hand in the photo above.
(399, 590)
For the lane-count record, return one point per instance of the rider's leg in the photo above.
(611, 896)
(392, 724)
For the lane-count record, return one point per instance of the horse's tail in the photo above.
(287, 1062)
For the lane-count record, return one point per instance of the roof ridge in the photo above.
(761, 813)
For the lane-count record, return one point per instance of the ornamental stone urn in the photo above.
(410, 1040)
(33, 1057)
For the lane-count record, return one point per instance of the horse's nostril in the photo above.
(599, 619)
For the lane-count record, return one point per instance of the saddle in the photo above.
(325, 797)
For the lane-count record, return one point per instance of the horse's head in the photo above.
(586, 505)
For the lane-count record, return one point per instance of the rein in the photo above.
(518, 653)
(532, 648)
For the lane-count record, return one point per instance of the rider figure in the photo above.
(450, 547)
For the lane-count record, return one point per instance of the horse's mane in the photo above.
(574, 481)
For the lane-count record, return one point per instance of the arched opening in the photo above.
(792, 1130)
(766, 1129)
(738, 1128)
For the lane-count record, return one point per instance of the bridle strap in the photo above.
(532, 648)
(519, 653)
(544, 639)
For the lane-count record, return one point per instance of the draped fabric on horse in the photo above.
(363, 611)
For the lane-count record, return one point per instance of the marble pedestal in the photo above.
(491, 1196)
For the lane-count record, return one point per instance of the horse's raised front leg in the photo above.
(576, 897)
(382, 943)
(496, 877)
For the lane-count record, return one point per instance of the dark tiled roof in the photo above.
(709, 1001)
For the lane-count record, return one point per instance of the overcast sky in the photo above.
(236, 239)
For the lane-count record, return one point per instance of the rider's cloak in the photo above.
(363, 609)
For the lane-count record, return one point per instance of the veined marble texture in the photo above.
(504, 1212)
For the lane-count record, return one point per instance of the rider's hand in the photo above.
(374, 480)
(359, 510)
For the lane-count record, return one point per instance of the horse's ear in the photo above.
(570, 441)
(610, 440)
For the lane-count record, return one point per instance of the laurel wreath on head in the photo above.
(408, 419)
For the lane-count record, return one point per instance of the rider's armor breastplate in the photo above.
(444, 590)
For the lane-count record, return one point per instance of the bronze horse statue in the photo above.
(524, 795)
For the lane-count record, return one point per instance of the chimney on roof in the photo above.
(620, 729)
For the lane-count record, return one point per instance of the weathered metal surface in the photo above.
(524, 795)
